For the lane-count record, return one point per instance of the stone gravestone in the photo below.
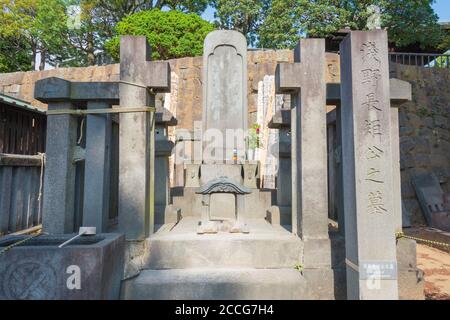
(224, 95)
(368, 184)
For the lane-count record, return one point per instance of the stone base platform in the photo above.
(216, 284)
(185, 265)
(265, 246)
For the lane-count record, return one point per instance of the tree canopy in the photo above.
(407, 21)
(171, 34)
(85, 32)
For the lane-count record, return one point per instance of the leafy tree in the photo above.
(171, 34)
(14, 54)
(100, 17)
(407, 21)
(37, 23)
(116, 10)
(244, 16)
(412, 21)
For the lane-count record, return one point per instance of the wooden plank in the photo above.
(17, 201)
(26, 209)
(5, 197)
(20, 160)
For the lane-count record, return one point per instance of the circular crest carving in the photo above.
(30, 280)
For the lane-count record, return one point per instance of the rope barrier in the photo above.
(81, 112)
(400, 235)
(20, 242)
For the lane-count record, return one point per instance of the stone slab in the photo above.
(56, 89)
(217, 284)
(224, 93)
(210, 172)
(431, 199)
(266, 246)
(39, 270)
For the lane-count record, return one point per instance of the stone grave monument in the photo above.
(221, 236)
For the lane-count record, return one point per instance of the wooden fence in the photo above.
(21, 131)
(21, 183)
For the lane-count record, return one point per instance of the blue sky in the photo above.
(441, 7)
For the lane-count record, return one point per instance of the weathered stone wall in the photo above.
(424, 131)
(186, 96)
(424, 122)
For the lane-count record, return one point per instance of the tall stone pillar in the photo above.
(59, 207)
(367, 170)
(305, 80)
(136, 154)
(97, 168)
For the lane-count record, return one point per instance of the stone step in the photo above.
(264, 247)
(216, 284)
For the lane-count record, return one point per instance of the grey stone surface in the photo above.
(97, 168)
(396, 183)
(209, 172)
(366, 148)
(172, 214)
(136, 215)
(410, 278)
(39, 270)
(431, 199)
(250, 174)
(273, 215)
(192, 179)
(217, 284)
(266, 246)
(56, 89)
(59, 183)
(163, 149)
(308, 128)
(400, 91)
(225, 90)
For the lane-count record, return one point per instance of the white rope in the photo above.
(351, 265)
(41, 179)
(81, 131)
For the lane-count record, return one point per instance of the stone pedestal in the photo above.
(367, 152)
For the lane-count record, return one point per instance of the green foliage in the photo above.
(412, 21)
(14, 55)
(171, 34)
(408, 22)
(244, 16)
(39, 24)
